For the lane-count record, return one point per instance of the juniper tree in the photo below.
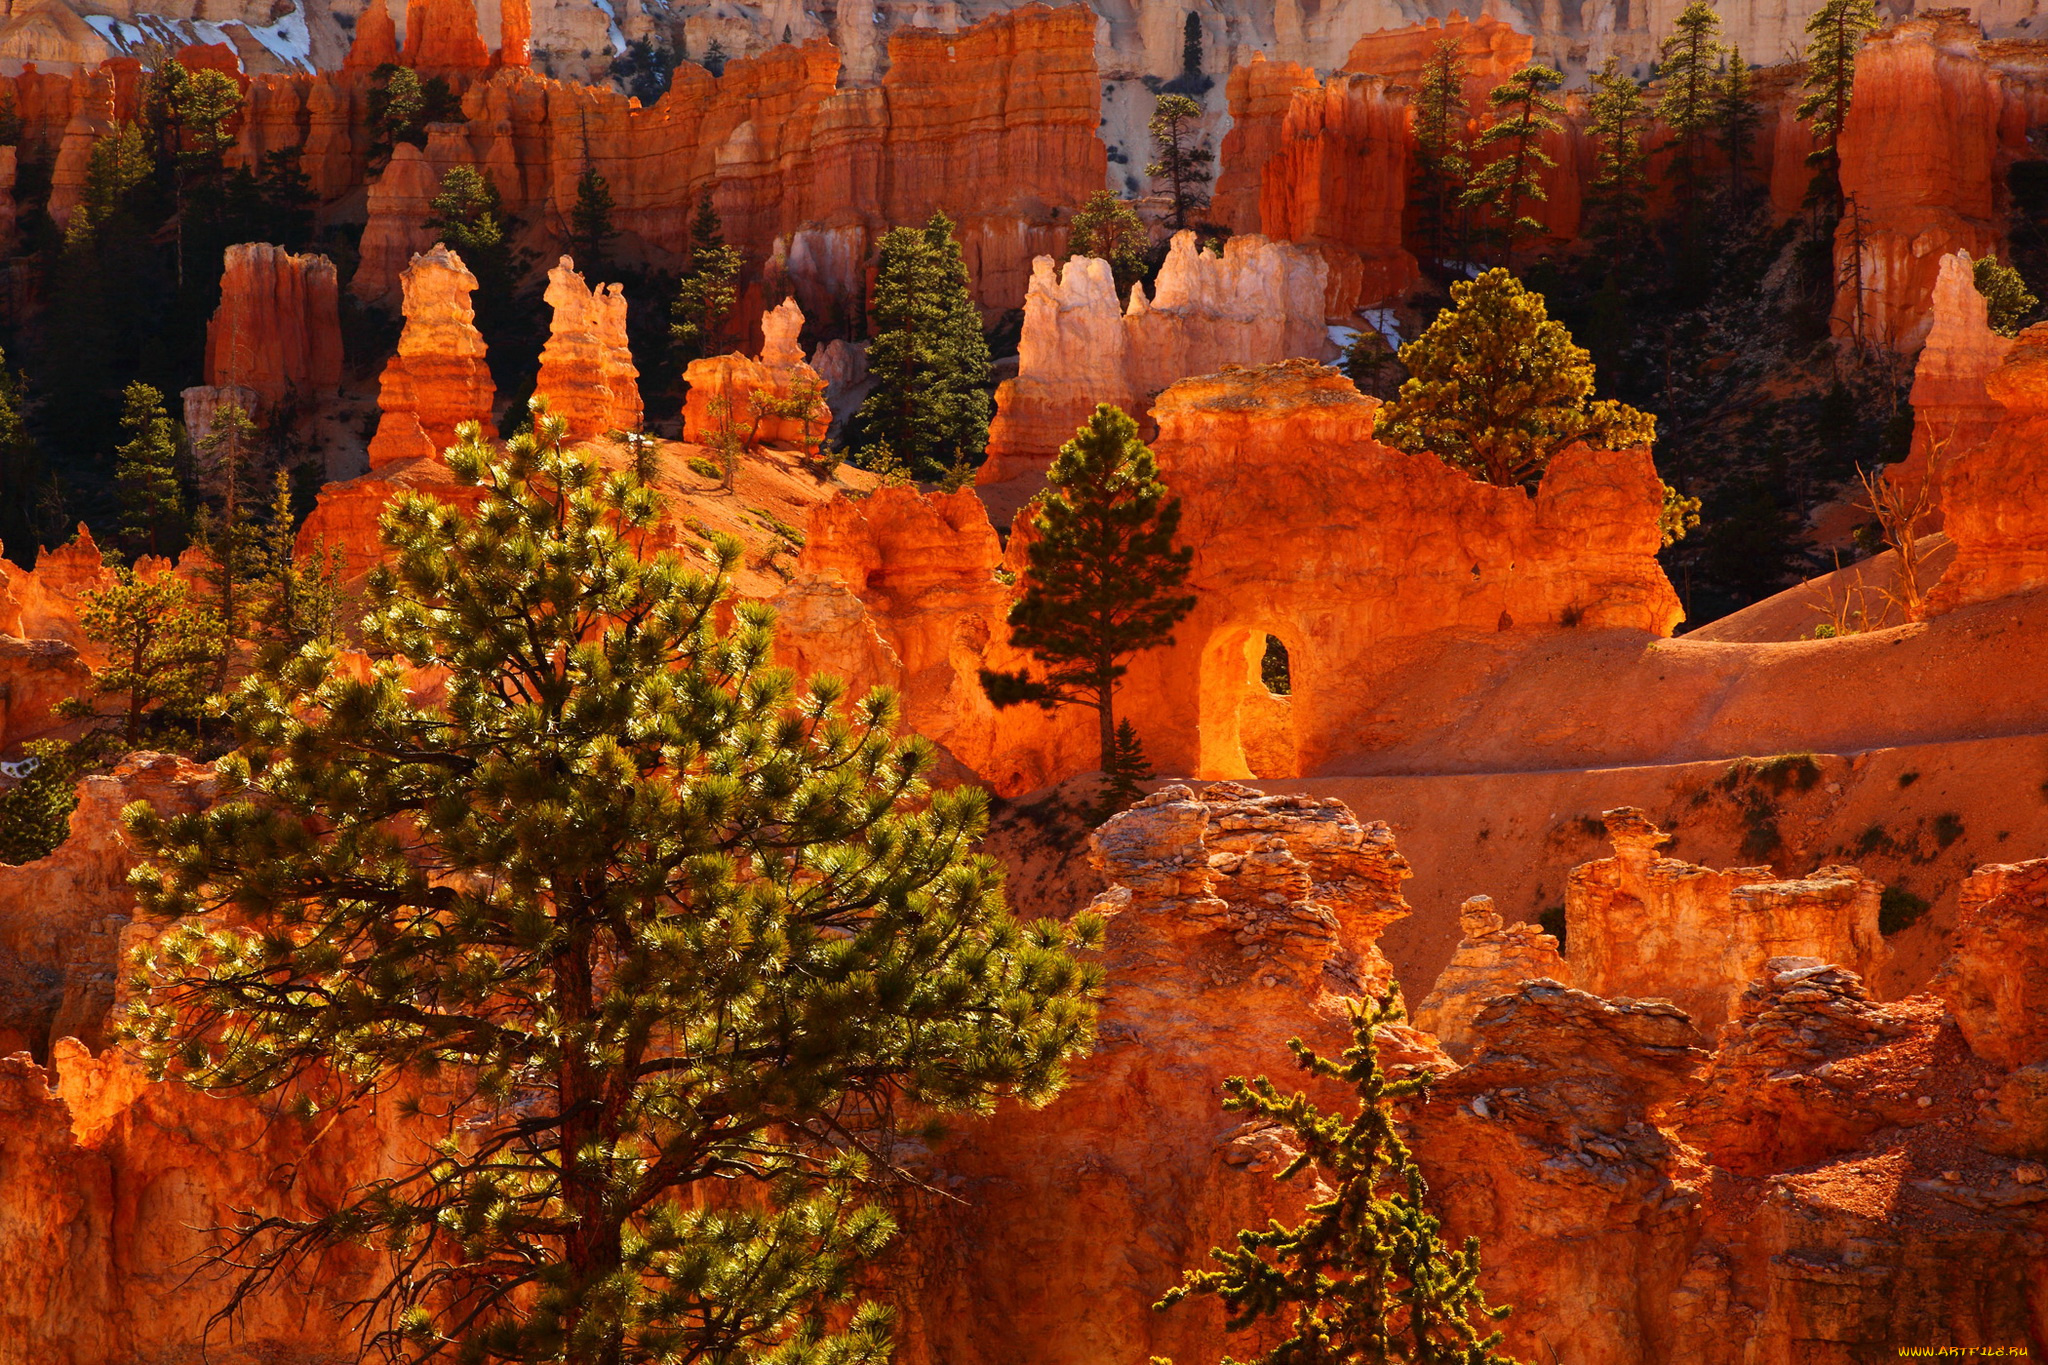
(1833, 36)
(1687, 67)
(1522, 114)
(667, 941)
(1736, 116)
(1497, 387)
(1617, 197)
(928, 358)
(146, 476)
(1102, 579)
(161, 649)
(1109, 228)
(1441, 163)
(1183, 163)
(1366, 1277)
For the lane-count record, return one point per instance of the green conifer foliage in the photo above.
(705, 298)
(469, 214)
(1102, 578)
(673, 938)
(929, 358)
(297, 597)
(1109, 228)
(1497, 387)
(1191, 45)
(21, 464)
(1365, 1278)
(1442, 166)
(1183, 162)
(1833, 36)
(161, 649)
(35, 816)
(1736, 116)
(2010, 301)
(1513, 179)
(1687, 68)
(146, 471)
(590, 223)
(1617, 198)
(227, 463)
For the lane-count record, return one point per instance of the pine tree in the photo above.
(1687, 68)
(1182, 162)
(2006, 293)
(115, 168)
(1522, 114)
(674, 939)
(705, 298)
(296, 598)
(706, 231)
(1833, 36)
(146, 471)
(468, 213)
(1618, 195)
(162, 655)
(35, 816)
(1365, 1278)
(1108, 228)
(1103, 576)
(1497, 387)
(1191, 47)
(1736, 116)
(1441, 164)
(928, 358)
(590, 223)
(227, 463)
(401, 105)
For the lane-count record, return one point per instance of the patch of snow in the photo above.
(613, 33)
(1384, 322)
(1342, 337)
(290, 40)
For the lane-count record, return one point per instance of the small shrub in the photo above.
(1908, 779)
(1876, 839)
(1948, 827)
(704, 467)
(1897, 909)
(1786, 772)
(1761, 840)
(1552, 923)
(1592, 826)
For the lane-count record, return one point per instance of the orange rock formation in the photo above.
(1992, 497)
(1642, 924)
(1953, 412)
(1490, 49)
(586, 369)
(1492, 959)
(1381, 550)
(278, 327)
(437, 379)
(727, 392)
(1259, 301)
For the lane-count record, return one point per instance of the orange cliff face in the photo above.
(1994, 497)
(1322, 165)
(278, 327)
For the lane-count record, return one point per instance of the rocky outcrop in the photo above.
(43, 603)
(900, 589)
(1490, 50)
(1992, 496)
(441, 35)
(277, 330)
(1382, 550)
(1235, 921)
(1492, 959)
(1996, 981)
(438, 378)
(1641, 924)
(1259, 301)
(376, 39)
(587, 373)
(732, 397)
(62, 917)
(1953, 411)
(399, 200)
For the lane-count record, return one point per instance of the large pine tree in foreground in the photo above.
(1102, 583)
(673, 939)
(1364, 1278)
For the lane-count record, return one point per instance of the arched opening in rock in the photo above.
(1248, 696)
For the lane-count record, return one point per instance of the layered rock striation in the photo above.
(277, 331)
(587, 373)
(1992, 495)
(437, 380)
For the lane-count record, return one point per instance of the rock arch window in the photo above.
(1251, 676)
